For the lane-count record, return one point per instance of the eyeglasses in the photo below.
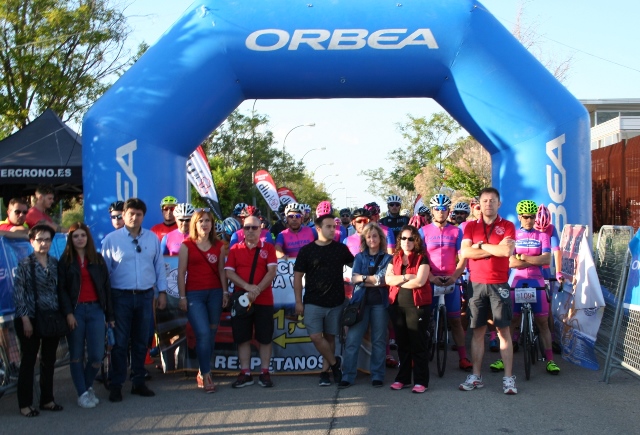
(394, 204)
(43, 241)
(167, 208)
(251, 227)
(345, 215)
(408, 239)
(527, 216)
(119, 216)
(138, 248)
(440, 208)
(362, 221)
(19, 212)
(206, 210)
(294, 216)
(185, 220)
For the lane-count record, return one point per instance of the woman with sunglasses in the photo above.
(84, 293)
(410, 298)
(202, 286)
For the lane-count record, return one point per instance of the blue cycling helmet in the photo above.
(231, 225)
(238, 208)
(440, 200)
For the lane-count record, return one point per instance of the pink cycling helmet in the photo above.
(323, 209)
(543, 218)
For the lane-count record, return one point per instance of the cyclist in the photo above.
(239, 212)
(230, 225)
(115, 211)
(289, 241)
(374, 215)
(425, 213)
(168, 204)
(238, 236)
(306, 216)
(394, 219)
(345, 220)
(461, 211)
(442, 241)
(361, 217)
(170, 244)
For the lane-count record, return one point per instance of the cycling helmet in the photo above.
(253, 211)
(293, 207)
(281, 208)
(306, 208)
(323, 209)
(184, 210)
(373, 208)
(360, 212)
(394, 198)
(238, 208)
(168, 200)
(405, 212)
(441, 200)
(526, 206)
(543, 218)
(418, 221)
(338, 222)
(219, 228)
(345, 211)
(462, 206)
(230, 225)
(116, 206)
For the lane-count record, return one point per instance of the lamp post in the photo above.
(332, 175)
(312, 124)
(337, 182)
(335, 190)
(324, 164)
(313, 149)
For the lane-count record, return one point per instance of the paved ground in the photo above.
(574, 402)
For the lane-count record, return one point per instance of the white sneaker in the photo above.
(92, 394)
(85, 401)
(471, 383)
(509, 385)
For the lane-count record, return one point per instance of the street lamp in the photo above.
(324, 164)
(314, 149)
(332, 175)
(313, 124)
(337, 182)
(335, 190)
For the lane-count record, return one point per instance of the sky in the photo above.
(359, 134)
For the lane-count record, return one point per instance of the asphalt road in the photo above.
(576, 401)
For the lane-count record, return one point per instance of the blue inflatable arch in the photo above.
(221, 52)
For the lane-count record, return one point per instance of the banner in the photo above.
(632, 293)
(578, 309)
(199, 174)
(419, 203)
(286, 195)
(267, 188)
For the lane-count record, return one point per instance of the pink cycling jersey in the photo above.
(442, 245)
(353, 243)
(391, 241)
(529, 242)
(291, 242)
(172, 241)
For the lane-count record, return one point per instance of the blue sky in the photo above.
(599, 36)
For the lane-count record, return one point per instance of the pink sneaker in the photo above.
(419, 389)
(398, 386)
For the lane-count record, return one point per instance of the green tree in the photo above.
(468, 168)
(57, 54)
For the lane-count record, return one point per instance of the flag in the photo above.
(286, 195)
(199, 174)
(267, 188)
(419, 203)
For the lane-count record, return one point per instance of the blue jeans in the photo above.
(377, 317)
(90, 330)
(204, 308)
(133, 317)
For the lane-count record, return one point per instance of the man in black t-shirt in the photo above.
(322, 263)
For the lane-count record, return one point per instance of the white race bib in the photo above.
(524, 295)
(439, 290)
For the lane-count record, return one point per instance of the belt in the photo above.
(133, 291)
(87, 303)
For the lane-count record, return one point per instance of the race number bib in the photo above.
(439, 290)
(524, 295)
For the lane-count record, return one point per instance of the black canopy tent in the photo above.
(46, 151)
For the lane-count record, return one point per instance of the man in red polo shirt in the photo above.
(241, 258)
(14, 226)
(37, 214)
(488, 243)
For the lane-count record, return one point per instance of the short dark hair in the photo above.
(40, 228)
(136, 203)
(490, 190)
(320, 219)
(45, 189)
(15, 201)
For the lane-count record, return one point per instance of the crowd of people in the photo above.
(397, 263)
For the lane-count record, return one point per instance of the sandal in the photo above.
(209, 386)
(32, 413)
(55, 407)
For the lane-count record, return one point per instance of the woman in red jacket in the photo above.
(410, 300)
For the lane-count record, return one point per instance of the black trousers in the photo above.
(29, 352)
(411, 325)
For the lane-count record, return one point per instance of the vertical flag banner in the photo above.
(578, 309)
(286, 195)
(419, 203)
(267, 188)
(199, 174)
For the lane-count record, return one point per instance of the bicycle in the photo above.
(529, 337)
(439, 329)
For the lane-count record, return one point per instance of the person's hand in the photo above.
(225, 300)
(162, 301)
(182, 304)
(27, 327)
(508, 241)
(449, 280)
(72, 322)
(299, 309)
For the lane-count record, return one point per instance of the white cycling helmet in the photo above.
(462, 206)
(293, 207)
(184, 210)
(394, 198)
(440, 200)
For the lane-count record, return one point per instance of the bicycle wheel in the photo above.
(442, 335)
(431, 346)
(526, 342)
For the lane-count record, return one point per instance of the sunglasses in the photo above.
(138, 248)
(345, 215)
(206, 210)
(167, 208)
(184, 220)
(251, 227)
(118, 216)
(476, 207)
(440, 208)
(394, 204)
(19, 212)
(362, 221)
(409, 239)
(294, 216)
(527, 216)
(41, 241)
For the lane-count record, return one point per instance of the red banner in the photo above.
(286, 195)
(267, 188)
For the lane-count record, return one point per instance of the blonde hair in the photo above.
(373, 226)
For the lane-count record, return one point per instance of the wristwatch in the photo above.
(480, 244)
(364, 278)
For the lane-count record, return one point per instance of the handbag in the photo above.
(353, 313)
(242, 307)
(48, 323)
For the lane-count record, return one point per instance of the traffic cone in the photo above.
(148, 359)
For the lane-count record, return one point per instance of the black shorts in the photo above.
(485, 298)
(261, 320)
